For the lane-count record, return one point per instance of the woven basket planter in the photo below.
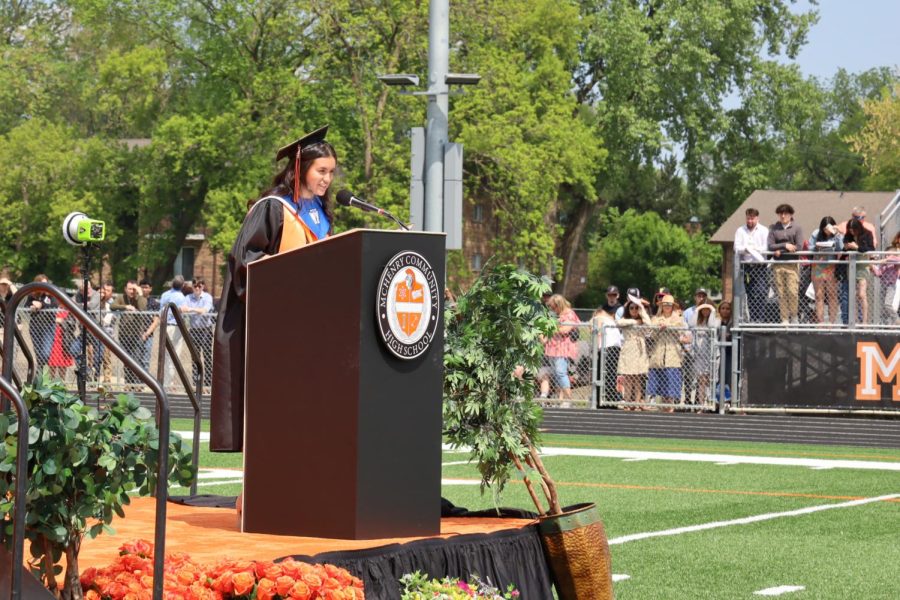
(578, 553)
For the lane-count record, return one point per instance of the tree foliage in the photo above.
(83, 464)
(645, 251)
(879, 140)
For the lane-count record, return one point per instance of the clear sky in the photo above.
(854, 34)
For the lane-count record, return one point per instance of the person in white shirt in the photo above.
(750, 241)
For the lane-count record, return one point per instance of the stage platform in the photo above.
(507, 550)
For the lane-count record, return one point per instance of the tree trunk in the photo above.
(47, 566)
(571, 242)
(72, 586)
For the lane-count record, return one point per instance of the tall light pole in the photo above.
(436, 121)
(436, 125)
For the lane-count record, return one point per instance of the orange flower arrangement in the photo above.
(130, 577)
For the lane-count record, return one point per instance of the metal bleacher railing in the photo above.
(826, 294)
(54, 351)
(603, 375)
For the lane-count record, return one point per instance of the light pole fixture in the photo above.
(436, 205)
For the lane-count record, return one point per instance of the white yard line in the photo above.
(189, 435)
(746, 520)
(211, 483)
(781, 589)
(622, 577)
(725, 459)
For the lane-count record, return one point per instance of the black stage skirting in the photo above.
(513, 556)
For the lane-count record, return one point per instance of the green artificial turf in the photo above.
(848, 552)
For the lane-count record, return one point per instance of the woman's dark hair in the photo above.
(895, 243)
(855, 229)
(823, 234)
(283, 182)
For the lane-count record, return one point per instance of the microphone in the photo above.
(346, 198)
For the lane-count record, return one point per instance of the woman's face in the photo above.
(725, 311)
(319, 176)
(667, 308)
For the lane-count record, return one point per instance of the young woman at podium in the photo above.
(296, 210)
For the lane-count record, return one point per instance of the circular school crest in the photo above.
(407, 305)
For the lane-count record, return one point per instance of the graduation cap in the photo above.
(307, 140)
(295, 149)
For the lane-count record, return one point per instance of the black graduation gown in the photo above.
(260, 235)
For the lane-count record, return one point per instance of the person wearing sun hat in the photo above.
(294, 211)
(633, 358)
(665, 377)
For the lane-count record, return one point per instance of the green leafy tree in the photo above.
(492, 351)
(645, 251)
(529, 149)
(656, 76)
(879, 140)
(83, 464)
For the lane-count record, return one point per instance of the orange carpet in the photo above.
(210, 534)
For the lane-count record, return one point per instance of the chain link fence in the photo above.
(54, 338)
(632, 368)
(820, 290)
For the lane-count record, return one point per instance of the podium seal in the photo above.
(407, 305)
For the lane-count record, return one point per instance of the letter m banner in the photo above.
(875, 369)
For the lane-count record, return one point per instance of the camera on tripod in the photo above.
(79, 230)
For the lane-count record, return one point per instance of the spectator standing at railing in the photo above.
(725, 320)
(42, 325)
(689, 372)
(750, 241)
(7, 289)
(785, 238)
(888, 273)
(609, 340)
(703, 323)
(102, 359)
(202, 322)
(826, 240)
(175, 297)
(612, 303)
(665, 377)
(634, 362)
(559, 349)
(632, 292)
(150, 323)
(133, 321)
(860, 240)
(857, 214)
(63, 333)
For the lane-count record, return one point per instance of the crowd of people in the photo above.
(131, 317)
(664, 357)
(780, 259)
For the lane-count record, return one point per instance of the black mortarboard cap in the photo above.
(307, 140)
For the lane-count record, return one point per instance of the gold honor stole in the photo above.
(294, 232)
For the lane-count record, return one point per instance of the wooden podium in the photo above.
(342, 438)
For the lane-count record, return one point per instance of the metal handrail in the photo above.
(162, 406)
(195, 395)
(18, 549)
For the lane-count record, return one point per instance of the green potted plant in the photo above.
(82, 466)
(493, 349)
